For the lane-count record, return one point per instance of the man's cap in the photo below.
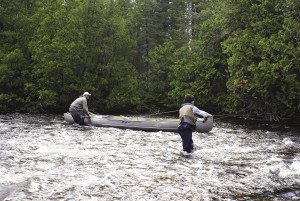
(86, 94)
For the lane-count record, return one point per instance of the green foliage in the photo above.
(160, 28)
(82, 46)
(123, 95)
(15, 62)
(145, 55)
(200, 66)
(109, 55)
(154, 85)
(47, 98)
(9, 101)
(56, 49)
(154, 23)
(264, 60)
(197, 75)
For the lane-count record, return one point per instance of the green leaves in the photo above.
(233, 55)
(81, 46)
(262, 61)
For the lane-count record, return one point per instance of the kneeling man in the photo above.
(79, 108)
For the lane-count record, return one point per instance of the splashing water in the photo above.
(44, 159)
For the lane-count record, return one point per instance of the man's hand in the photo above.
(88, 114)
(91, 114)
(205, 118)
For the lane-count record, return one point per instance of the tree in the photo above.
(264, 59)
(110, 51)
(200, 66)
(15, 58)
(56, 50)
(83, 46)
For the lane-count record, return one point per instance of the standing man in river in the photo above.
(188, 123)
(79, 108)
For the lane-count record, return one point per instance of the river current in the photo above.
(43, 158)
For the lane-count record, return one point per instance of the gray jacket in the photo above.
(80, 104)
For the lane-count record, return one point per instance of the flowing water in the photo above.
(42, 158)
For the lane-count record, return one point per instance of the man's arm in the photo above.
(200, 112)
(85, 107)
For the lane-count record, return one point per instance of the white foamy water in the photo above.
(41, 158)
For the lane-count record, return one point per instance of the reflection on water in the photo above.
(44, 159)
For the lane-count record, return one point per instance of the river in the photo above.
(43, 158)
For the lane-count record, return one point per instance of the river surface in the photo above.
(43, 158)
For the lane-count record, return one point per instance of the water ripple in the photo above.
(44, 159)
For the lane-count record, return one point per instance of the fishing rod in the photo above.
(160, 113)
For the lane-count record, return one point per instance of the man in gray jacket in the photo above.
(79, 108)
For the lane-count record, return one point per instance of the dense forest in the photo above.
(142, 56)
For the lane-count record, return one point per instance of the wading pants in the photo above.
(77, 116)
(185, 130)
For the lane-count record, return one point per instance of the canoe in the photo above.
(139, 123)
